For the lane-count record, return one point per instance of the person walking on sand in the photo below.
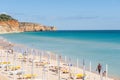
(99, 67)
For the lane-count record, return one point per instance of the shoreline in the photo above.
(10, 32)
(54, 62)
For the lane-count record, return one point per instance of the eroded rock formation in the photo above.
(15, 26)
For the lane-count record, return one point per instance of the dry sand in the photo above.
(41, 72)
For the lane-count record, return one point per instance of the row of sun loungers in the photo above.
(17, 69)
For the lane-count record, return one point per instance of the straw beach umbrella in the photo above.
(77, 65)
(27, 52)
(106, 74)
(39, 56)
(43, 73)
(22, 67)
(7, 59)
(42, 55)
(48, 57)
(32, 67)
(58, 59)
(1, 55)
(90, 66)
(14, 63)
(69, 67)
(65, 59)
(83, 69)
(90, 69)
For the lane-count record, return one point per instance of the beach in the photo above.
(59, 40)
(31, 64)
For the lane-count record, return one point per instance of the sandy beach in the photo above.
(3, 77)
(21, 63)
(10, 32)
(59, 40)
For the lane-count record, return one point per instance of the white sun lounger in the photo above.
(17, 72)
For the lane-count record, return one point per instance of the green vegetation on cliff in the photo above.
(5, 17)
(9, 24)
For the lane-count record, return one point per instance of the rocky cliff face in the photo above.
(25, 26)
(8, 26)
(15, 26)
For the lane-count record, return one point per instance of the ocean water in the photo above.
(95, 46)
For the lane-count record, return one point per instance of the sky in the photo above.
(66, 14)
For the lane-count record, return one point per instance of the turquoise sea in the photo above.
(97, 46)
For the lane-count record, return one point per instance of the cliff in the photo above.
(8, 25)
(25, 26)
(15, 26)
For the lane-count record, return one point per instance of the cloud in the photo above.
(68, 17)
(78, 17)
(3, 13)
(49, 18)
(17, 14)
(53, 18)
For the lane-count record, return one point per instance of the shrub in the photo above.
(5, 17)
